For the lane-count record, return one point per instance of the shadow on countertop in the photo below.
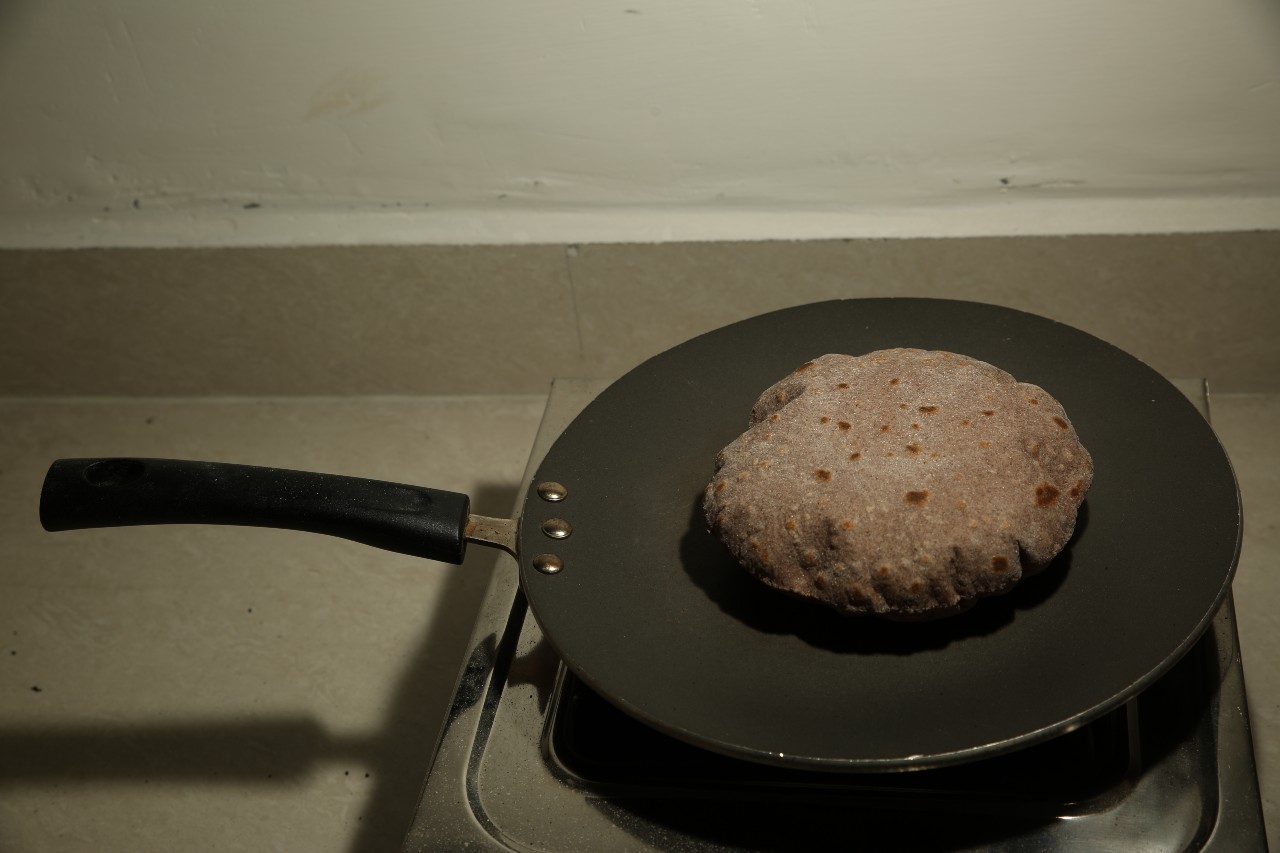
(257, 750)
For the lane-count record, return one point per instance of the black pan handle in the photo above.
(82, 493)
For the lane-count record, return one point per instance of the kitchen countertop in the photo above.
(242, 689)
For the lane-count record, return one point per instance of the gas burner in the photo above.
(532, 759)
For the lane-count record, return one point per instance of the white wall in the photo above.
(164, 122)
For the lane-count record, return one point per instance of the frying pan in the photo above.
(650, 610)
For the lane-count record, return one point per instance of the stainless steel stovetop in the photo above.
(530, 759)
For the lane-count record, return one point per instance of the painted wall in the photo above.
(141, 122)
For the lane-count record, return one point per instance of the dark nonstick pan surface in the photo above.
(653, 613)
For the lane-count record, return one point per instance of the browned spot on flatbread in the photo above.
(822, 474)
(914, 448)
(928, 410)
(917, 498)
(802, 368)
(915, 426)
(999, 564)
(846, 525)
(962, 504)
(844, 425)
(843, 385)
(1033, 401)
(894, 381)
(773, 417)
(808, 556)
(1062, 424)
(884, 427)
(984, 444)
(720, 486)
(791, 524)
(1075, 490)
(1046, 494)
(916, 587)
(964, 422)
(855, 456)
(763, 463)
(883, 571)
(903, 406)
(988, 412)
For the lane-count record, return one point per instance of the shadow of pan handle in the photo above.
(257, 750)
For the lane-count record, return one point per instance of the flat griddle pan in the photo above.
(652, 612)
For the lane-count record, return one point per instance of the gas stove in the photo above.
(531, 759)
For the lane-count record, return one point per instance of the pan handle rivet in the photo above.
(548, 564)
(553, 492)
(557, 528)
